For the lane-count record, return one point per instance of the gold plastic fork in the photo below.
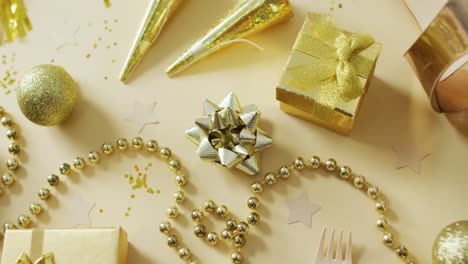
(338, 258)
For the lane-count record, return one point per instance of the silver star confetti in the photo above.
(409, 155)
(301, 210)
(142, 115)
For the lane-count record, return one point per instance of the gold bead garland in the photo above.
(236, 231)
(14, 149)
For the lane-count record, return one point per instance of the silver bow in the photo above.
(228, 135)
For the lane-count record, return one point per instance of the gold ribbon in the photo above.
(14, 18)
(336, 63)
(44, 259)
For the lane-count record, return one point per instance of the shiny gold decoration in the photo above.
(228, 135)
(79, 163)
(14, 19)
(7, 179)
(235, 231)
(328, 73)
(155, 18)
(451, 245)
(44, 194)
(47, 95)
(440, 46)
(24, 221)
(94, 156)
(35, 208)
(12, 164)
(65, 169)
(44, 259)
(246, 18)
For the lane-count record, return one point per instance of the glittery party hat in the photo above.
(247, 17)
(156, 17)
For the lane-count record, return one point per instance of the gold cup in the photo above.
(436, 58)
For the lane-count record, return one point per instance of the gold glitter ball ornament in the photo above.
(47, 95)
(451, 245)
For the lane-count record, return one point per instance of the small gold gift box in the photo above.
(328, 73)
(70, 246)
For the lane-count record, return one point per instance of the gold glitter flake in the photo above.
(8, 79)
(107, 3)
(333, 4)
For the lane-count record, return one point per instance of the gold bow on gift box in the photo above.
(328, 69)
(336, 62)
(44, 259)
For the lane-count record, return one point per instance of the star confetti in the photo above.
(66, 39)
(301, 210)
(142, 115)
(78, 211)
(410, 155)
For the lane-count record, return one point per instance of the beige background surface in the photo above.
(395, 110)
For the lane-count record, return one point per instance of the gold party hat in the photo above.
(247, 17)
(156, 17)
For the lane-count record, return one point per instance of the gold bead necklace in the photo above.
(8, 179)
(235, 231)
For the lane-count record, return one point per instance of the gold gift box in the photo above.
(70, 246)
(328, 73)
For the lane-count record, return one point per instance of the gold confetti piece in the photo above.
(88, 55)
(95, 45)
(101, 210)
(8, 80)
(107, 3)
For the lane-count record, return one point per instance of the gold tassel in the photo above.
(14, 19)
(245, 18)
